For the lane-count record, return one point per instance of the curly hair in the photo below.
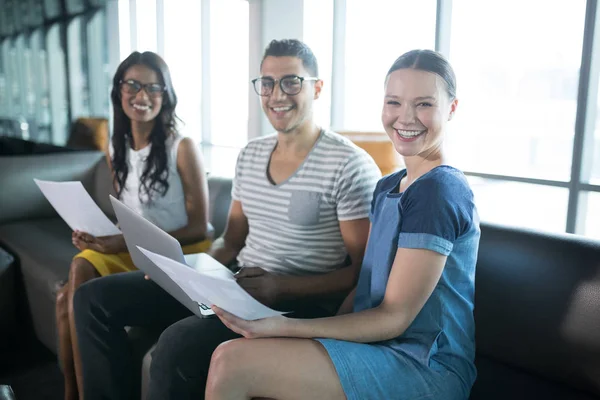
(155, 175)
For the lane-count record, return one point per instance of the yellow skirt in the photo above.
(107, 264)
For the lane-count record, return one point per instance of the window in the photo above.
(518, 85)
(52, 8)
(35, 12)
(78, 73)
(42, 91)
(146, 23)
(182, 25)
(4, 111)
(206, 48)
(27, 68)
(521, 204)
(589, 203)
(35, 90)
(99, 76)
(28, 90)
(593, 154)
(124, 30)
(74, 6)
(58, 86)
(378, 32)
(18, 16)
(15, 58)
(220, 160)
(229, 73)
(318, 35)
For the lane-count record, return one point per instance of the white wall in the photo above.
(269, 19)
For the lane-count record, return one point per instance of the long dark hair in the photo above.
(156, 173)
(429, 61)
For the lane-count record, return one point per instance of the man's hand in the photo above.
(104, 244)
(262, 285)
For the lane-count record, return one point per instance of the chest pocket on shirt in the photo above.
(305, 208)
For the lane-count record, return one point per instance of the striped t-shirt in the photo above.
(294, 226)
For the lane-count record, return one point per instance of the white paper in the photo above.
(205, 264)
(217, 288)
(74, 204)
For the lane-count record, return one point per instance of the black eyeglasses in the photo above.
(290, 85)
(132, 86)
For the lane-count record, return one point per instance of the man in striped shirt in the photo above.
(301, 196)
(297, 227)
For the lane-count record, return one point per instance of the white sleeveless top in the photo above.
(168, 211)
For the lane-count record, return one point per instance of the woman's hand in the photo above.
(104, 244)
(267, 327)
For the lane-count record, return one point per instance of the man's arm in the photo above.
(355, 234)
(271, 289)
(226, 248)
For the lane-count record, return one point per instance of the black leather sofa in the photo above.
(537, 302)
(34, 235)
(6, 393)
(537, 315)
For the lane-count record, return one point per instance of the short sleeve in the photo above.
(434, 214)
(355, 187)
(236, 187)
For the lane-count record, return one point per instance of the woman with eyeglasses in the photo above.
(156, 171)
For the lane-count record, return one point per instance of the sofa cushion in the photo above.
(44, 251)
(219, 190)
(21, 199)
(6, 393)
(537, 303)
(7, 298)
(497, 381)
(101, 188)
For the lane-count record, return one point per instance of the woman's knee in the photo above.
(81, 271)
(62, 297)
(227, 360)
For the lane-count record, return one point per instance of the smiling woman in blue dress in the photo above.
(407, 329)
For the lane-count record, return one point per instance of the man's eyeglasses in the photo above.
(290, 85)
(132, 86)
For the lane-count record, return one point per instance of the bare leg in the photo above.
(260, 368)
(81, 271)
(65, 350)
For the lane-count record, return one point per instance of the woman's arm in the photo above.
(414, 275)
(105, 244)
(195, 189)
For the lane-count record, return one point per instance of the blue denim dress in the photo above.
(434, 357)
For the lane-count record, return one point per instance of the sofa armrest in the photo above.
(20, 198)
(6, 393)
(7, 297)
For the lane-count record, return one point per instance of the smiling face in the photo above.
(285, 112)
(140, 107)
(416, 109)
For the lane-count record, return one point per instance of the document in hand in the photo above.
(74, 204)
(209, 288)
